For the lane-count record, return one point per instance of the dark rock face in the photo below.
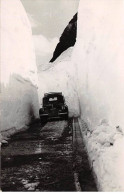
(67, 39)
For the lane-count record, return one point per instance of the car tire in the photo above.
(43, 120)
(66, 117)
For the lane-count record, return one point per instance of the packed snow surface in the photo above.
(19, 96)
(98, 56)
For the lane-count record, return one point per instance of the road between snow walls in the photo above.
(92, 83)
(105, 143)
(91, 80)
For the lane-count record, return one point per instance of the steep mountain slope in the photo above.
(67, 39)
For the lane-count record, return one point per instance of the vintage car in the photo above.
(53, 106)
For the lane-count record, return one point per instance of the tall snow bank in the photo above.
(98, 56)
(59, 77)
(19, 96)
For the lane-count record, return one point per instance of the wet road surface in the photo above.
(39, 160)
(46, 159)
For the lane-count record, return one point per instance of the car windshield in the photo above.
(53, 99)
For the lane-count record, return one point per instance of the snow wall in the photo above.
(19, 96)
(59, 77)
(99, 60)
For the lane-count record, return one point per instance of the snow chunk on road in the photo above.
(105, 147)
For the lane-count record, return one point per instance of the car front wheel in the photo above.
(43, 119)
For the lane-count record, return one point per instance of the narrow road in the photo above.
(46, 158)
(39, 160)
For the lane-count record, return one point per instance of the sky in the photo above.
(48, 19)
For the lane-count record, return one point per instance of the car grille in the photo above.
(53, 112)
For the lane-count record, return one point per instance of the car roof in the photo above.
(52, 94)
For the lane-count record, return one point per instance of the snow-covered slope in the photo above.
(98, 56)
(59, 77)
(19, 97)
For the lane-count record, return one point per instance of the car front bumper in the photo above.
(58, 115)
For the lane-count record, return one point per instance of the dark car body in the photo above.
(53, 107)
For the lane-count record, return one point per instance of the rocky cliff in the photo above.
(67, 39)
